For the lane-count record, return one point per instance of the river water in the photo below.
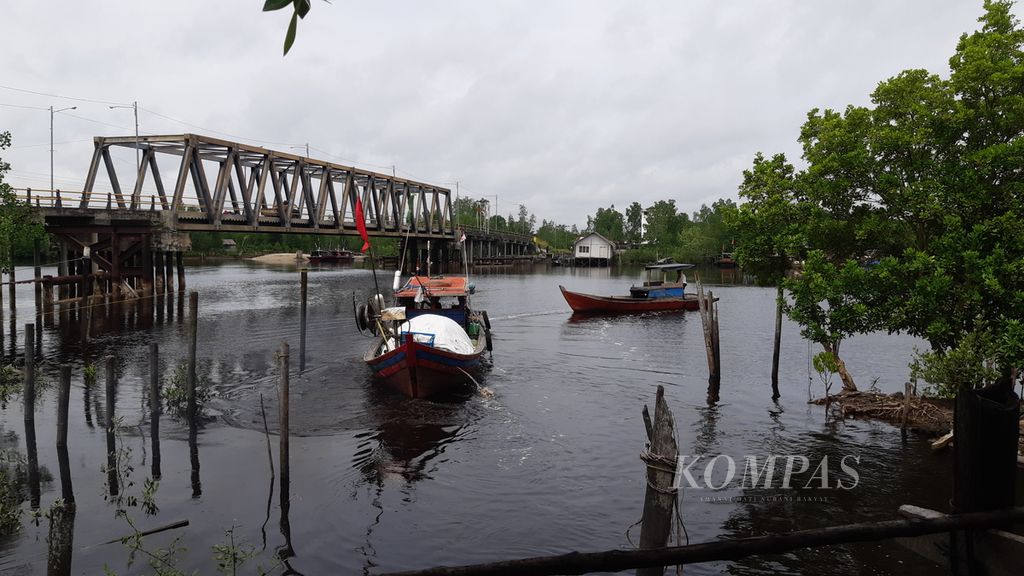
(546, 461)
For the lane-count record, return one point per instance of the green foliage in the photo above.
(925, 182)
(664, 223)
(10, 383)
(709, 232)
(89, 374)
(13, 476)
(768, 226)
(557, 236)
(608, 222)
(634, 223)
(301, 9)
(19, 223)
(175, 391)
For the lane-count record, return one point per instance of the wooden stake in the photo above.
(112, 479)
(29, 397)
(154, 408)
(63, 400)
(776, 349)
(907, 393)
(285, 495)
(193, 333)
(660, 498)
(303, 290)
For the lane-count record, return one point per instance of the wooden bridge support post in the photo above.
(180, 258)
(169, 271)
(62, 268)
(115, 266)
(147, 267)
(158, 269)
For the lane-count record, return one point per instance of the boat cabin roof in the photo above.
(435, 286)
(669, 267)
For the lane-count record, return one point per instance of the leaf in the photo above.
(302, 8)
(271, 5)
(289, 38)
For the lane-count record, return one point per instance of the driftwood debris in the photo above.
(928, 415)
(725, 550)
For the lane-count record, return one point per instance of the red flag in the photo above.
(361, 225)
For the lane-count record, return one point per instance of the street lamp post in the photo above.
(52, 112)
(135, 108)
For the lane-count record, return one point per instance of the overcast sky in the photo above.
(564, 106)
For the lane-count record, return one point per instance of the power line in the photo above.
(58, 96)
(23, 106)
(212, 131)
(55, 143)
(97, 121)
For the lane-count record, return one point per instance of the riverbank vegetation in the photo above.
(907, 216)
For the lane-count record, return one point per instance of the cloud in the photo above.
(563, 106)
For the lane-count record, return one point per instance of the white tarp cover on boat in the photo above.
(447, 333)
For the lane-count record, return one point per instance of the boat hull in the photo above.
(589, 303)
(421, 371)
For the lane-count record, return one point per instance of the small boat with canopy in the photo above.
(663, 287)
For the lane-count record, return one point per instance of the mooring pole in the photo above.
(284, 457)
(193, 332)
(37, 272)
(303, 291)
(112, 479)
(29, 397)
(154, 407)
(63, 401)
(776, 349)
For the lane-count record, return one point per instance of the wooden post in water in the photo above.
(37, 274)
(907, 393)
(776, 349)
(63, 401)
(709, 323)
(11, 286)
(169, 271)
(661, 495)
(180, 258)
(303, 292)
(29, 397)
(154, 408)
(285, 464)
(158, 265)
(193, 331)
(112, 480)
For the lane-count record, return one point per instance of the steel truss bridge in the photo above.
(142, 195)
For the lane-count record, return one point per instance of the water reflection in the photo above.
(409, 437)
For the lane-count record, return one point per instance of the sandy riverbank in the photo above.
(281, 258)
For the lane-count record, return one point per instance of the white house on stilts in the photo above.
(593, 250)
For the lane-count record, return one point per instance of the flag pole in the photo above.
(373, 268)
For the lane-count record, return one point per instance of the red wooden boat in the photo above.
(413, 363)
(585, 303)
(653, 295)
